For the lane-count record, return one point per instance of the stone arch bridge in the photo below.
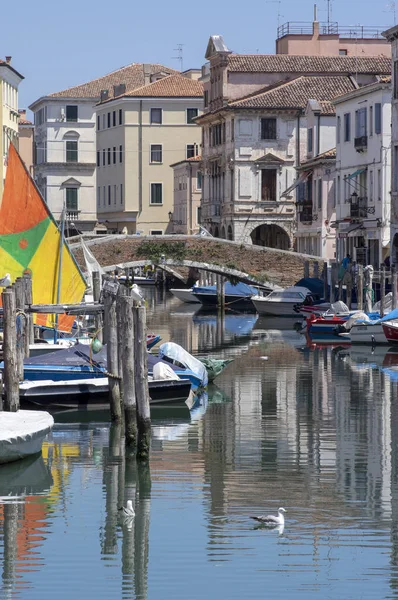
(257, 265)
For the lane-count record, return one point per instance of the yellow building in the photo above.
(9, 117)
(139, 135)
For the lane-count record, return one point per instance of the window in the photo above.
(395, 169)
(156, 116)
(338, 132)
(103, 157)
(109, 195)
(114, 194)
(156, 232)
(98, 158)
(232, 129)
(345, 188)
(98, 122)
(156, 193)
(120, 153)
(192, 150)
(310, 140)
(71, 113)
(206, 98)
(103, 121)
(268, 129)
(114, 155)
(377, 118)
(98, 196)
(320, 185)
(71, 199)
(371, 186)
(109, 156)
(71, 151)
(114, 118)
(121, 193)
(104, 194)
(156, 153)
(360, 122)
(396, 79)
(370, 120)
(338, 191)
(379, 189)
(109, 120)
(347, 127)
(120, 116)
(199, 180)
(268, 184)
(192, 113)
(343, 52)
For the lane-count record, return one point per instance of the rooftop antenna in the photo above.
(392, 8)
(279, 3)
(180, 55)
(329, 8)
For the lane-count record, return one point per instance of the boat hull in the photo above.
(22, 434)
(93, 392)
(367, 334)
(233, 302)
(185, 296)
(276, 309)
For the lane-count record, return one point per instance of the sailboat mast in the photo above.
(61, 255)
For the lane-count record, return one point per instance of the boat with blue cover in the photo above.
(237, 296)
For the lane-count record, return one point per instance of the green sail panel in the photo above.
(22, 246)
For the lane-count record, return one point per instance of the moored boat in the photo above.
(285, 303)
(186, 295)
(237, 297)
(22, 433)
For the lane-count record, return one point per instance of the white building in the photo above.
(363, 173)
(315, 185)
(185, 216)
(65, 137)
(255, 135)
(9, 116)
(392, 37)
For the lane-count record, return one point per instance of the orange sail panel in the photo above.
(30, 241)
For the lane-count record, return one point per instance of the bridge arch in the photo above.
(271, 235)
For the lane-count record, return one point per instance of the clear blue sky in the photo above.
(56, 45)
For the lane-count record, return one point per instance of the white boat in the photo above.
(22, 433)
(281, 303)
(365, 333)
(186, 296)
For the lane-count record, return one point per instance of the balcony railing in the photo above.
(360, 210)
(361, 143)
(355, 32)
(72, 215)
(306, 217)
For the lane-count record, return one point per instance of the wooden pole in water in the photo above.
(30, 330)
(96, 296)
(316, 269)
(11, 381)
(306, 268)
(112, 356)
(382, 289)
(141, 384)
(122, 292)
(360, 288)
(394, 286)
(19, 288)
(325, 280)
(127, 344)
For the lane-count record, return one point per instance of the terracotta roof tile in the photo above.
(131, 75)
(329, 154)
(194, 159)
(386, 79)
(327, 108)
(24, 122)
(173, 85)
(285, 63)
(295, 94)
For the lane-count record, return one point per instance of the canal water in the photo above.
(312, 429)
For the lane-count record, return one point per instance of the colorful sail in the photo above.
(30, 241)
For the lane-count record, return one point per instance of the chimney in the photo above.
(104, 95)
(8, 59)
(147, 73)
(22, 113)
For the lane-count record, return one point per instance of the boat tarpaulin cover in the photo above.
(30, 241)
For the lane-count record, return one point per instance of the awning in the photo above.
(297, 182)
(344, 233)
(357, 172)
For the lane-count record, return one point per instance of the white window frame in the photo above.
(150, 115)
(186, 114)
(150, 193)
(155, 162)
(195, 150)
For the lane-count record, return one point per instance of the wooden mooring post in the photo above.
(306, 268)
(141, 384)
(29, 325)
(11, 380)
(19, 288)
(110, 322)
(220, 292)
(316, 269)
(125, 308)
(325, 280)
(394, 286)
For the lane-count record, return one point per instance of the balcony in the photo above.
(359, 208)
(72, 215)
(306, 217)
(361, 143)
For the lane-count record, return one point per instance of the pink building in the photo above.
(26, 131)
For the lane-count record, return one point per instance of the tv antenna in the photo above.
(279, 3)
(180, 55)
(329, 10)
(392, 8)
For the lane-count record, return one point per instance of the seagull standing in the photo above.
(272, 520)
(128, 510)
(6, 280)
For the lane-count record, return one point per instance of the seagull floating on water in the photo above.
(128, 510)
(272, 520)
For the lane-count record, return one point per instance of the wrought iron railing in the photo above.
(332, 28)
